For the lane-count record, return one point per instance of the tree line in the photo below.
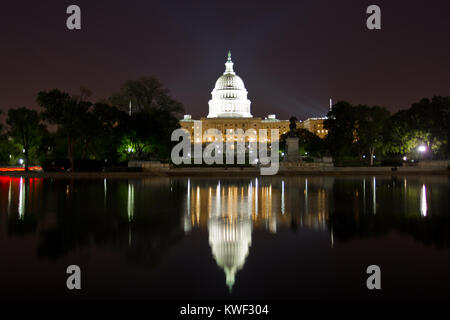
(134, 123)
(137, 122)
(361, 134)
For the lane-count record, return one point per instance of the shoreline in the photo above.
(218, 172)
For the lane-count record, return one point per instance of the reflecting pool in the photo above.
(300, 237)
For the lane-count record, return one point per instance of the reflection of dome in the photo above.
(230, 241)
(229, 97)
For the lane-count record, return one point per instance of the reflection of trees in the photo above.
(85, 217)
(153, 236)
(430, 230)
(142, 219)
(433, 230)
(22, 227)
(396, 209)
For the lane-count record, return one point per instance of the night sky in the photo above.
(292, 55)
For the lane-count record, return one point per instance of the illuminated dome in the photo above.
(229, 97)
(229, 81)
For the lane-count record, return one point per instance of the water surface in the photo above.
(199, 238)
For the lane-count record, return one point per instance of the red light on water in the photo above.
(20, 169)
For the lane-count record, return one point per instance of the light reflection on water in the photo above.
(266, 205)
(423, 201)
(22, 196)
(142, 219)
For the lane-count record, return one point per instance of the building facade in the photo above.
(229, 108)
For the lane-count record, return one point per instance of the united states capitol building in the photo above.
(229, 108)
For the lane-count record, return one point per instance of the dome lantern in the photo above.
(229, 65)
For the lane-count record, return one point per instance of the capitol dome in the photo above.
(229, 97)
(230, 81)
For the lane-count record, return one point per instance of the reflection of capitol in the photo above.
(230, 238)
(230, 229)
(231, 209)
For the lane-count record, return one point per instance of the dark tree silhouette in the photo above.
(68, 113)
(145, 94)
(24, 128)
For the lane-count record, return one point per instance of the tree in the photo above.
(145, 94)
(399, 137)
(370, 128)
(111, 129)
(154, 116)
(67, 112)
(431, 119)
(24, 128)
(341, 125)
(90, 134)
(4, 146)
(308, 142)
(137, 134)
(426, 122)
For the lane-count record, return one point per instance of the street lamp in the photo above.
(422, 149)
